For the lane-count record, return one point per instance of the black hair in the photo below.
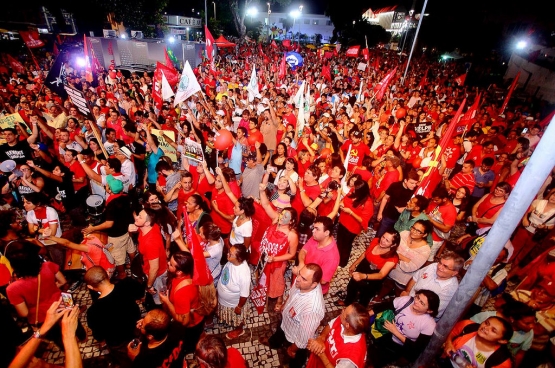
(247, 205)
(184, 262)
(433, 300)
(326, 222)
(24, 258)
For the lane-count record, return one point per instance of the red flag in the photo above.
(282, 68)
(286, 43)
(111, 53)
(88, 69)
(384, 83)
(168, 61)
(468, 118)
(16, 65)
(260, 49)
(201, 272)
(209, 44)
(366, 54)
(328, 54)
(431, 177)
(170, 73)
(274, 44)
(31, 39)
(326, 72)
(55, 50)
(461, 79)
(511, 89)
(353, 51)
(423, 82)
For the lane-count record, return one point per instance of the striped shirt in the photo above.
(302, 315)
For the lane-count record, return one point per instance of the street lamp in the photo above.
(295, 14)
(252, 12)
(269, 23)
(521, 44)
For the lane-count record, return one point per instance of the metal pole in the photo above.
(415, 37)
(534, 175)
(214, 3)
(205, 15)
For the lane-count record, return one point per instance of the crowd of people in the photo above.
(95, 200)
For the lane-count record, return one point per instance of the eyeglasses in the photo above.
(444, 266)
(416, 230)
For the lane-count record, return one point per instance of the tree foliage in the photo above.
(141, 15)
(239, 11)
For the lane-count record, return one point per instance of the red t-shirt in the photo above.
(463, 180)
(235, 359)
(376, 260)
(365, 211)
(184, 299)
(182, 198)
(357, 154)
(224, 205)
(151, 246)
(312, 191)
(25, 291)
(381, 185)
(487, 210)
(78, 172)
(446, 214)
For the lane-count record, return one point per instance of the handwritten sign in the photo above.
(193, 150)
(164, 145)
(10, 121)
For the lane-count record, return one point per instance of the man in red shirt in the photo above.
(443, 215)
(79, 175)
(463, 179)
(151, 247)
(309, 189)
(357, 152)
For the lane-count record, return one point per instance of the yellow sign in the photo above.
(164, 145)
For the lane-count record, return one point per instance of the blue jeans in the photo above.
(386, 224)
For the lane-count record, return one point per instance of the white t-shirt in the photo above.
(128, 169)
(51, 218)
(239, 233)
(235, 282)
(411, 324)
(213, 261)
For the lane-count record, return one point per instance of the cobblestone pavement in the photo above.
(256, 354)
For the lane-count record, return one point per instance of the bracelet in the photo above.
(82, 161)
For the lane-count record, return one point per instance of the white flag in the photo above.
(252, 87)
(298, 95)
(300, 115)
(307, 105)
(360, 92)
(167, 91)
(187, 86)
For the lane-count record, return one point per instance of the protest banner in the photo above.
(193, 150)
(164, 145)
(9, 121)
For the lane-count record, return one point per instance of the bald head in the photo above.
(95, 276)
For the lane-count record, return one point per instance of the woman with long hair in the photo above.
(290, 171)
(486, 210)
(279, 158)
(368, 271)
(356, 211)
(197, 211)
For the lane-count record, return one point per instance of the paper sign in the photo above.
(164, 145)
(9, 121)
(362, 66)
(193, 150)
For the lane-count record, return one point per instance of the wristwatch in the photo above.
(37, 334)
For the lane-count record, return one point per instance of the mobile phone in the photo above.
(525, 130)
(67, 301)
(135, 343)
(272, 169)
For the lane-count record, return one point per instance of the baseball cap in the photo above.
(116, 186)
(327, 115)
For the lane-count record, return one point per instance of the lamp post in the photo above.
(252, 12)
(300, 15)
(214, 3)
(294, 14)
(269, 23)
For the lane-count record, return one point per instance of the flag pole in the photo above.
(414, 41)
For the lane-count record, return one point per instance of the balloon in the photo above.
(252, 140)
(400, 113)
(112, 74)
(224, 139)
(325, 153)
(416, 162)
(384, 117)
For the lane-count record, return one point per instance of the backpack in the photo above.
(497, 357)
